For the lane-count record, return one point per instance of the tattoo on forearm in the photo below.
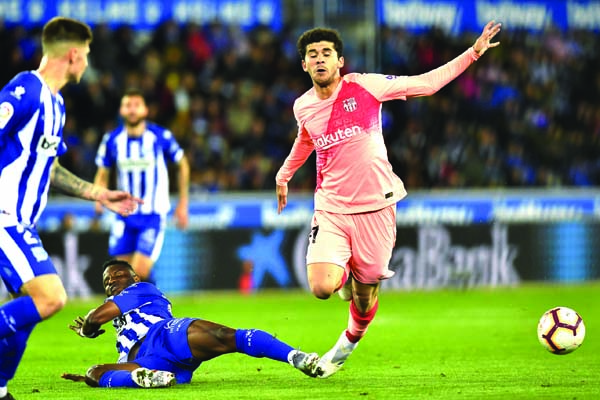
(69, 183)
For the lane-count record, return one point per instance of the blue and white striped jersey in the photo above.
(141, 164)
(142, 305)
(31, 124)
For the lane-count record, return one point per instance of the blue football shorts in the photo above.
(22, 256)
(137, 233)
(166, 348)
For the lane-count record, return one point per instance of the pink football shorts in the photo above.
(360, 243)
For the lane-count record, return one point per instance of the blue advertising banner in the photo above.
(427, 256)
(221, 212)
(453, 16)
(144, 14)
(456, 16)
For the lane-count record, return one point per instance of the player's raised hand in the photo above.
(282, 191)
(122, 203)
(483, 42)
(77, 327)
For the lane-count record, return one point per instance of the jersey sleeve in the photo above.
(135, 296)
(391, 87)
(171, 148)
(383, 87)
(18, 100)
(105, 155)
(428, 83)
(301, 150)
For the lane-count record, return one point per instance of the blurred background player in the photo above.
(32, 117)
(158, 350)
(353, 230)
(139, 151)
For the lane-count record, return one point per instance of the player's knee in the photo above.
(324, 279)
(50, 304)
(321, 294)
(48, 294)
(93, 375)
(54, 305)
(226, 338)
(322, 290)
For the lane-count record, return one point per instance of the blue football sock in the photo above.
(11, 352)
(257, 343)
(117, 379)
(18, 314)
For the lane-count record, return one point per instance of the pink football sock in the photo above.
(359, 322)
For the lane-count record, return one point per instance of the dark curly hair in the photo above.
(316, 35)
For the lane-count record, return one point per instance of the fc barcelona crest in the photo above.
(350, 104)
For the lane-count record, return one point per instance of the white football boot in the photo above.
(305, 362)
(152, 378)
(333, 360)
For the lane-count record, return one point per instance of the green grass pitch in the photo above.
(473, 344)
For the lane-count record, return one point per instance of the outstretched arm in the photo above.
(93, 321)
(429, 83)
(118, 201)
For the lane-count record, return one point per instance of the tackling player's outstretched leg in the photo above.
(158, 350)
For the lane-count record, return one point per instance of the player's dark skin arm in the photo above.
(98, 317)
(114, 281)
(90, 326)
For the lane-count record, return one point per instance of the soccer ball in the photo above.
(561, 330)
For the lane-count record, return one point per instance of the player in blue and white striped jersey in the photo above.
(158, 350)
(139, 152)
(32, 116)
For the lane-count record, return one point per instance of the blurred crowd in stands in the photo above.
(526, 115)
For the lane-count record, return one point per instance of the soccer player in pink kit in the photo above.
(353, 230)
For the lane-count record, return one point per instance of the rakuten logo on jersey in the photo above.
(331, 139)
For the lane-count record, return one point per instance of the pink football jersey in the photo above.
(353, 171)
